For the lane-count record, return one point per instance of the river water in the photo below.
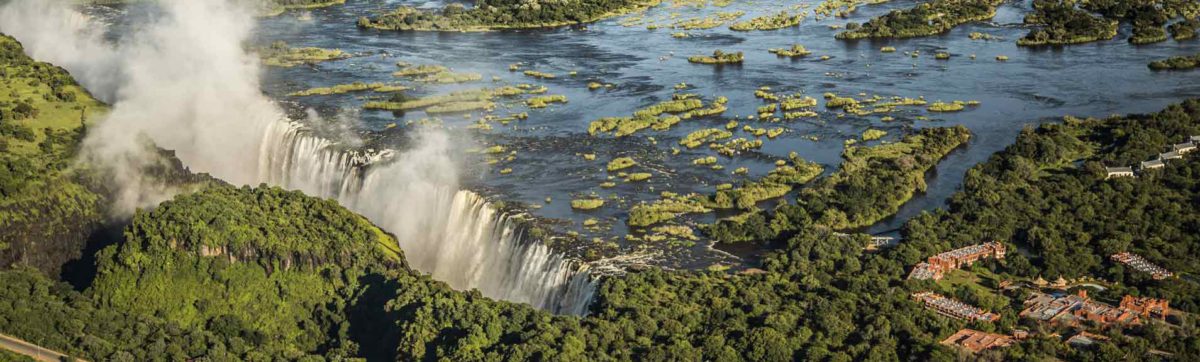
(1033, 86)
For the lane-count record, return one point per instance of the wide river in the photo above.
(1032, 86)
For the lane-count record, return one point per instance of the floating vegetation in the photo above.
(638, 176)
(450, 78)
(981, 36)
(459, 107)
(620, 163)
(543, 101)
(280, 55)
(718, 57)
(594, 85)
(339, 89)
(741, 171)
(924, 19)
(796, 51)
(735, 147)
(1186, 62)
(797, 101)
(705, 161)
(873, 134)
(409, 70)
(941, 56)
(707, 22)
(660, 117)
(539, 75)
(833, 101)
(700, 137)
(888, 49)
(400, 102)
(780, 20)
(498, 15)
(947, 107)
(587, 204)
(1001, 58)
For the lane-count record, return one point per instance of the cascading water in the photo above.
(186, 82)
(455, 235)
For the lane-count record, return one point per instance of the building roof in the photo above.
(1118, 169)
(1152, 164)
(976, 341)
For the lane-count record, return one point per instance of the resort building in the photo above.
(1184, 148)
(953, 308)
(1073, 309)
(936, 266)
(1137, 262)
(1085, 339)
(1146, 307)
(977, 341)
(1173, 155)
(1118, 172)
(1152, 164)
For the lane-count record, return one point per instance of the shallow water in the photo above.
(1033, 86)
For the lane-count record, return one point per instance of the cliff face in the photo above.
(48, 210)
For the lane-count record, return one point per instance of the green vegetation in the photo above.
(503, 14)
(776, 184)
(587, 204)
(276, 7)
(1184, 29)
(1186, 62)
(341, 89)
(871, 184)
(718, 57)
(1047, 193)
(660, 117)
(620, 163)
(780, 20)
(280, 55)
(474, 98)
(409, 70)
(48, 204)
(544, 101)
(925, 19)
(1064, 23)
(873, 134)
(796, 51)
(259, 274)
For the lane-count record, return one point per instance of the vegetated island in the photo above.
(870, 185)
(718, 57)
(488, 15)
(1185, 62)
(279, 54)
(1064, 22)
(925, 19)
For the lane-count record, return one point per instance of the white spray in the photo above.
(186, 83)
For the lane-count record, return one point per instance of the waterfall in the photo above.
(185, 81)
(455, 235)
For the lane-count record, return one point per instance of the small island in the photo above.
(718, 57)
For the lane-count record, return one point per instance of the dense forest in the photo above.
(503, 14)
(871, 184)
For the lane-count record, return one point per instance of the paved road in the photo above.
(30, 349)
